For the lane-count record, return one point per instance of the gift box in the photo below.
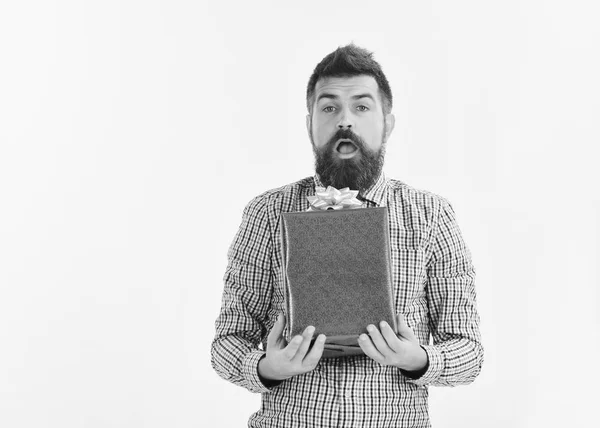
(337, 273)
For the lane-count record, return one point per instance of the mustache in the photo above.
(346, 134)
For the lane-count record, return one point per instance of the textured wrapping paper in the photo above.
(337, 274)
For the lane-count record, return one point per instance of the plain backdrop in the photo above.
(133, 133)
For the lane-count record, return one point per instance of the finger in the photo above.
(312, 358)
(404, 330)
(290, 350)
(369, 349)
(303, 348)
(379, 341)
(276, 332)
(390, 337)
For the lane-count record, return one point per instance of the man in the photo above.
(349, 102)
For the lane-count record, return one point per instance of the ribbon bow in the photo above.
(333, 199)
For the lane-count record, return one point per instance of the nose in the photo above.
(345, 120)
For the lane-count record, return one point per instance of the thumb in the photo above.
(276, 332)
(404, 330)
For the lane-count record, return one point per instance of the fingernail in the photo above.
(321, 338)
(363, 337)
(310, 329)
(371, 328)
(383, 324)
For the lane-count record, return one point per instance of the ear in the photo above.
(308, 124)
(390, 121)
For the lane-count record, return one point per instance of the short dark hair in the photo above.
(349, 61)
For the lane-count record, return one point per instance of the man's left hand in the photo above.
(388, 349)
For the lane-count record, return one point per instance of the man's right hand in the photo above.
(281, 361)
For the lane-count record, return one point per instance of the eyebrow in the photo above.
(354, 97)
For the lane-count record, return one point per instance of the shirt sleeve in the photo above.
(456, 355)
(248, 286)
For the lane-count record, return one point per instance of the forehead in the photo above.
(342, 86)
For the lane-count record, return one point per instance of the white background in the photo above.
(133, 133)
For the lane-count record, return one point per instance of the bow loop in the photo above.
(331, 198)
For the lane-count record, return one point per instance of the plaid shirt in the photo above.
(433, 281)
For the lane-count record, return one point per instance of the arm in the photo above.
(456, 355)
(248, 287)
(242, 322)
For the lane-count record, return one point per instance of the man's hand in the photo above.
(282, 362)
(388, 349)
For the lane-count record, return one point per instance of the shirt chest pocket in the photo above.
(409, 275)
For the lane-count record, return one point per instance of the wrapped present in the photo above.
(337, 269)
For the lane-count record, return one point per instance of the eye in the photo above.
(362, 108)
(329, 109)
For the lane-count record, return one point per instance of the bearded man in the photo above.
(349, 121)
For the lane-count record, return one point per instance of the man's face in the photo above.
(348, 131)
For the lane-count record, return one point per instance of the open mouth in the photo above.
(346, 147)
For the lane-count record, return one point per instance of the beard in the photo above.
(358, 173)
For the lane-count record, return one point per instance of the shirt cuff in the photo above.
(250, 370)
(434, 368)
